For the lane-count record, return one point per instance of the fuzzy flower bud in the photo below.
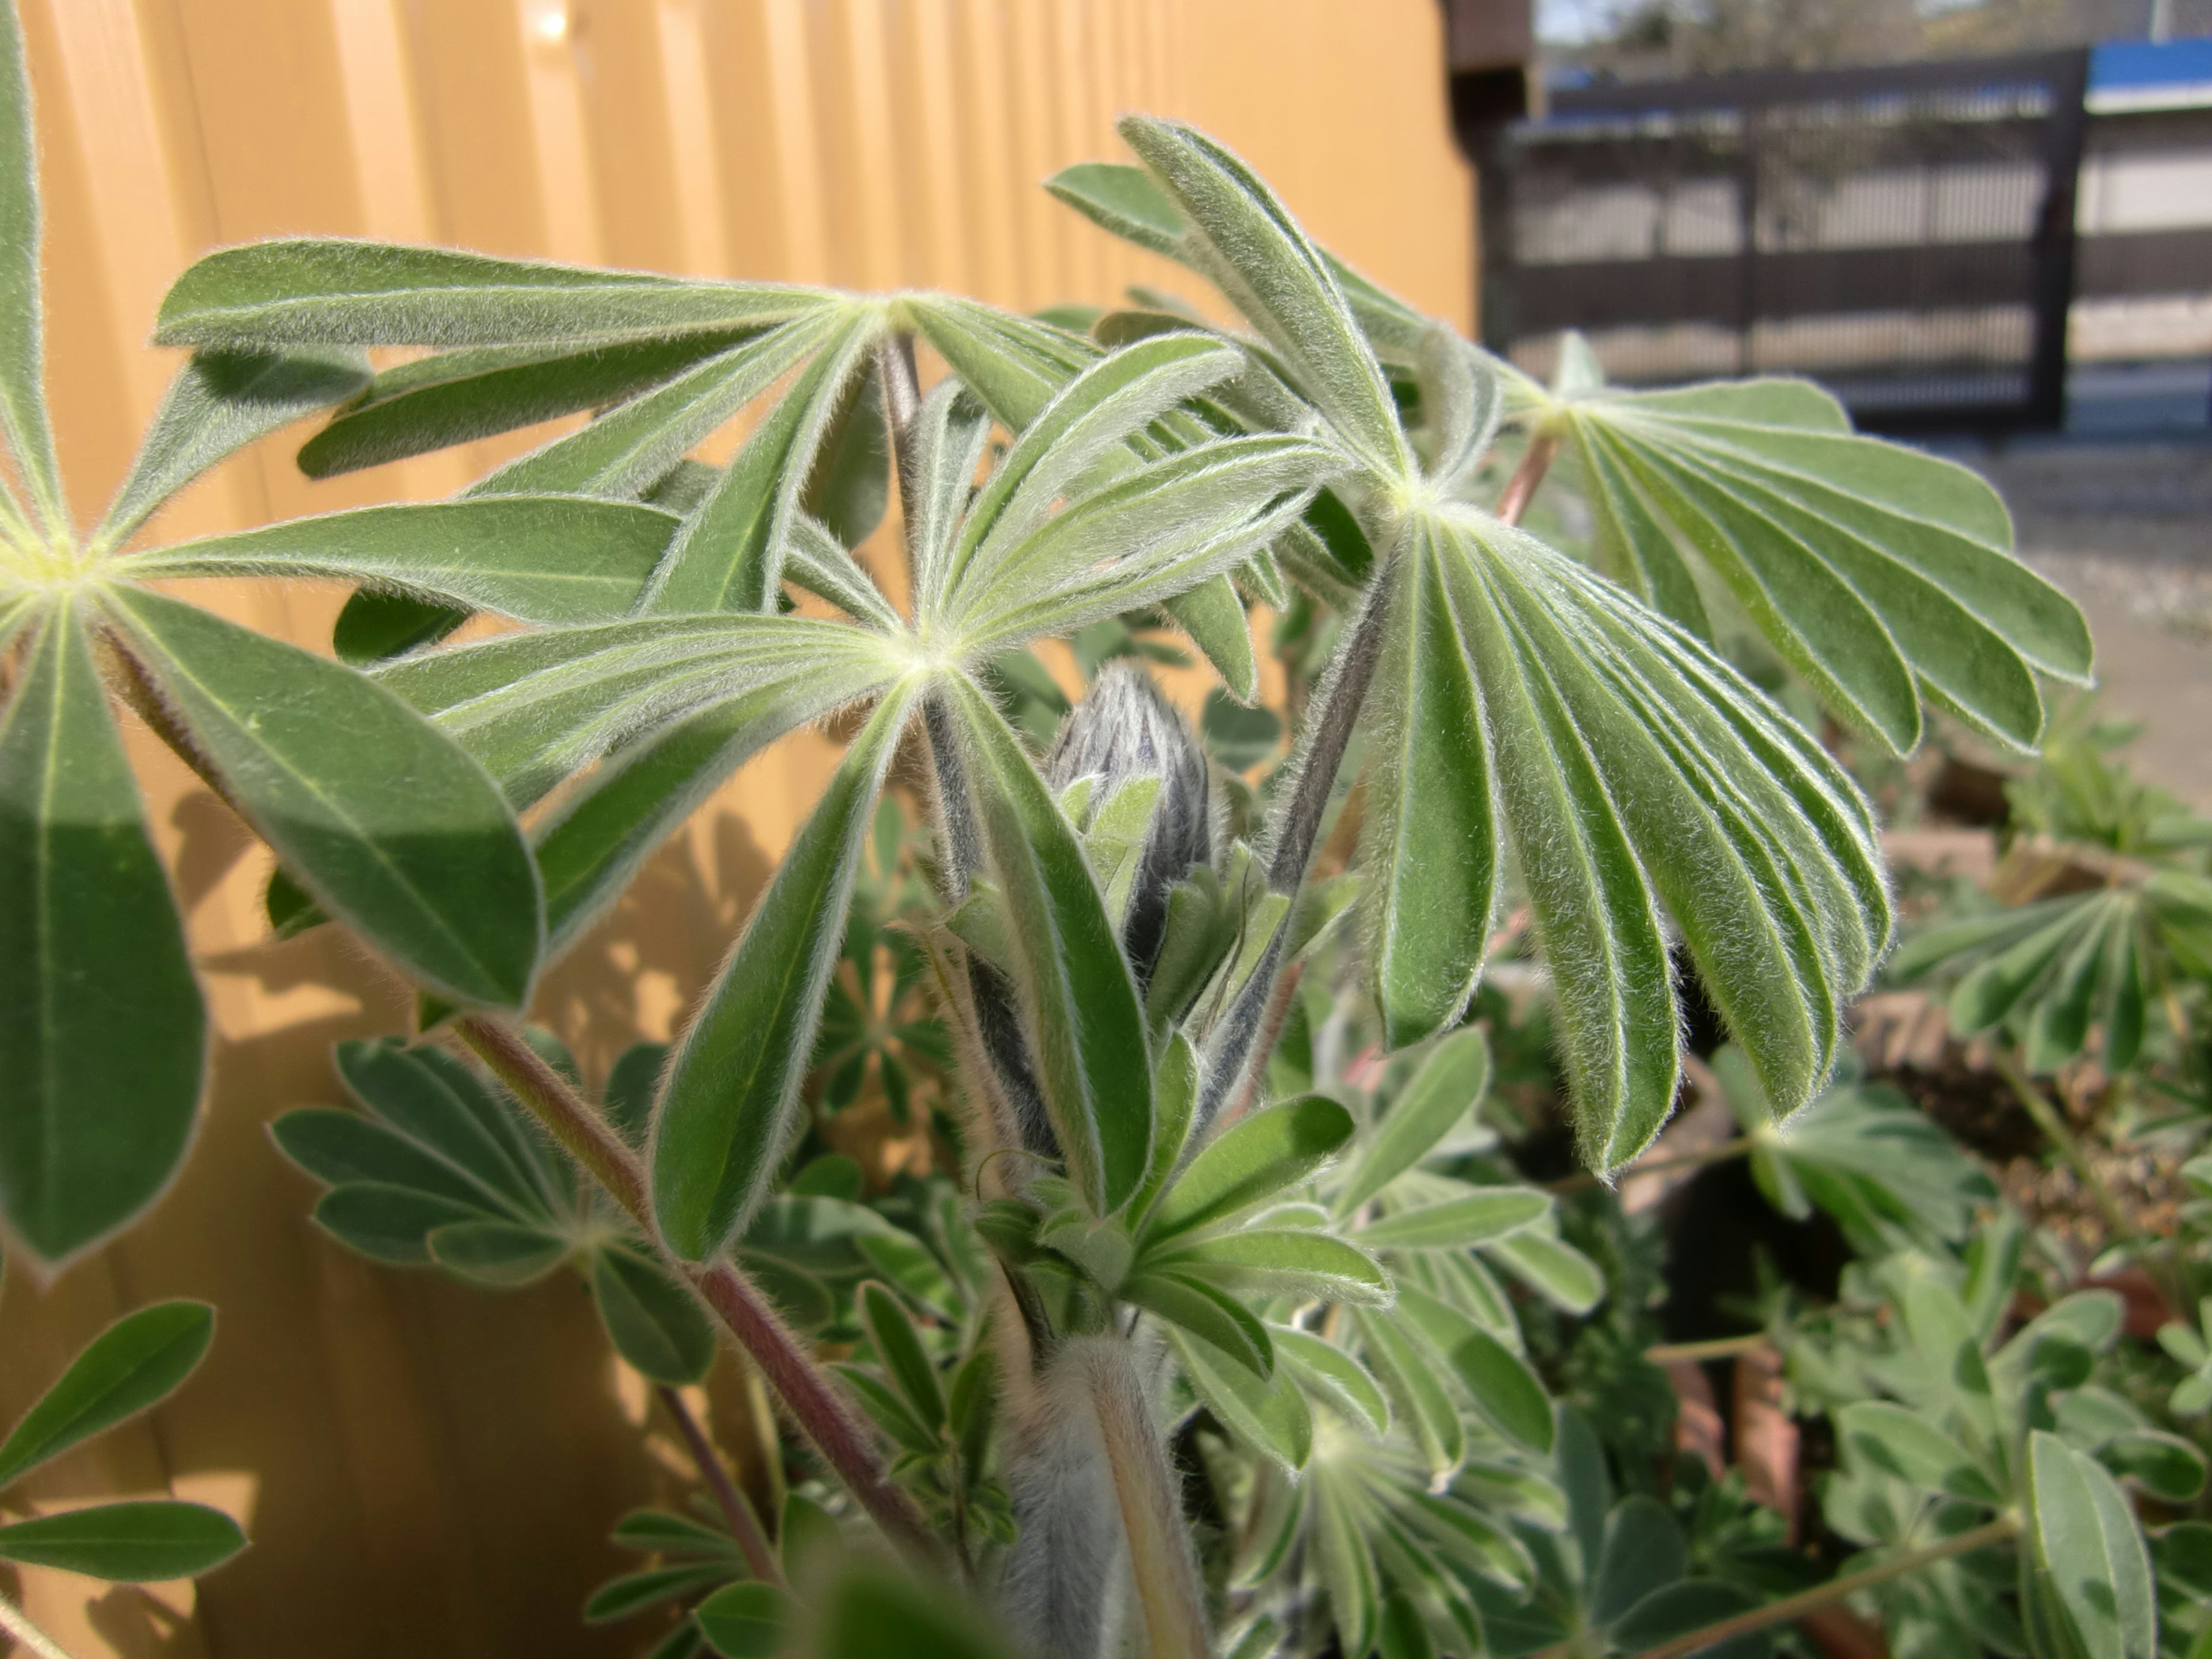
(1126, 729)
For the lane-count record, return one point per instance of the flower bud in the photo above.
(1126, 729)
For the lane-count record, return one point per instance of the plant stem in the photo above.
(813, 1403)
(1521, 487)
(1791, 1607)
(2049, 1118)
(1718, 1347)
(18, 1624)
(744, 1525)
(1720, 1154)
(1340, 697)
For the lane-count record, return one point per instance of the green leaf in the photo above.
(544, 559)
(1085, 1023)
(1643, 1552)
(1562, 1274)
(22, 326)
(1214, 618)
(1346, 1561)
(899, 1351)
(1687, 1604)
(748, 1620)
(500, 1255)
(1326, 1369)
(455, 396)
(729, 554)
(101, 1029)
(1206, 1311)
(850, 486)
(1271, 1417)
(534, 707)
(438, 1103)
(1410, 1378)
(1505, 1391)
(219, 402)
(651, 1320)
(1884, 573)
(872, 1612)
(726, 1105)
(2088, 1546)
(1122, 200)
(311, 291)
(392, 829)
(1263, 262)
(634, 1592)
(1453, 1078)
(133, 1543)
(1431, 841)
(632, 1082)
(1250, 1162)
(375, 624)
(1284, 1262)
(1630, 759)
(1903, 1443)
(1163, 529)
(134, 1362)
(627, 449)
(657, 1532)
(1586, 894)
(1088, 420)
(1485, 1215)
(391, 1224)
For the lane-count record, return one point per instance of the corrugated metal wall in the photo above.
(426, 1471)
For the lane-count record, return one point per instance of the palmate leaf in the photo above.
(1452, 1079)
(390, 828)
(2058, 970)
(1886, 576)
(720, 1124)
(1634, 768)
(1018, 367)
(94, 1127)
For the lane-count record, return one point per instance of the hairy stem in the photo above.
(813, 1401)
(1338, 700)
(18, 1624)
(1159, 1544)
(1521, 487)
(1718, 1347)
(744, 1525)
(1791, 1607)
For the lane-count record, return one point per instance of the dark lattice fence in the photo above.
(1904, 234)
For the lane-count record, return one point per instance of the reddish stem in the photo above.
(744, 1525)
(813, 1403)
(1535, 462)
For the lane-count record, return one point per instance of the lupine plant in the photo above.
(1214, 1334)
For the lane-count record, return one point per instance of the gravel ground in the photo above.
(2127, 529)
